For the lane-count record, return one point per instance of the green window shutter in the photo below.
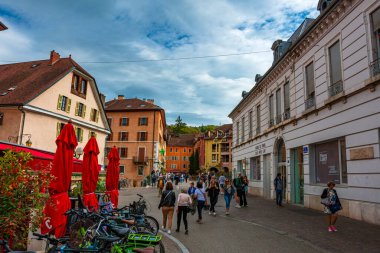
(92, 114)
(68, 105)
(59, 102)
(97, 116)
(76, 108)
(58, 128)
(81, 135)
(89, 134)
(84, 111)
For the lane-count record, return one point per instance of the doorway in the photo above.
(298, 175)
(280, 154)
(267, 181)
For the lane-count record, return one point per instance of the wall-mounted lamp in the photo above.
(78, 152)
(28, 143)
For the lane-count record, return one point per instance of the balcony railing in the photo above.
(335, 89)
(278, 119)
(286, 114)
(271, 122)
(225, 150)
(310, 102)
(140, 160)
(375, 67)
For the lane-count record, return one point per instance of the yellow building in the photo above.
(37, 98)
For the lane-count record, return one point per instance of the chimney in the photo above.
(149, 100)
(54, 57)
(120, 97)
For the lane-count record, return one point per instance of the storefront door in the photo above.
(267, 181)
(297, 175)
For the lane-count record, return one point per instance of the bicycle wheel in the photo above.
(150, 225)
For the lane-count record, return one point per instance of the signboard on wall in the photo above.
(327, 162)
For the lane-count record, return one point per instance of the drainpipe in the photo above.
(154, 130)
(20, 108)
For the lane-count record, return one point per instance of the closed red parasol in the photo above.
(59, 202)
(112, 176)
(90, 173)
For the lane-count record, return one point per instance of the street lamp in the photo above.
(78, 152)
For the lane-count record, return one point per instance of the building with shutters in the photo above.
(138, 131)
(179, 148)
(37, 98)
(314, 116)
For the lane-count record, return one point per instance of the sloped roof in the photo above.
(182, 140)
(300, 30)
(24, 81)
(130, 104)
(2, 27)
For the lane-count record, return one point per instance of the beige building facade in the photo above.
(314, 116)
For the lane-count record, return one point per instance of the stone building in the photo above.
(314, 116)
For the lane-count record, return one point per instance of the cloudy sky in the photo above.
(158, 49)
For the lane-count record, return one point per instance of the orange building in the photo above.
(138, 131)
(178, 151)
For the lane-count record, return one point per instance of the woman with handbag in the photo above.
(229, 192)
(213, 192)
(200, 196)
(332, 205)
(167, 203)
(183, 205)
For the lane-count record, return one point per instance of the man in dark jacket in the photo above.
(238, 184)
(278, 188)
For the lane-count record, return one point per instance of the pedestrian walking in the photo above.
(200, 196)
(153, 179)
(183, 205)
(245, 190)
(167, 203)
(222, 180)
(191, 189)
(229, 192)
(332, 205)
(278, 188)
(238, 184)
(160, 185)
(213, 192)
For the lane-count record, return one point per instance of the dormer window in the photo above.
(323, 4)
(79, 86)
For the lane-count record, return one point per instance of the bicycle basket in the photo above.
(146, 240)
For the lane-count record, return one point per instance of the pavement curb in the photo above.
(180, 245)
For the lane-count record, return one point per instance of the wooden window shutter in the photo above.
(84, 111)
(76, 109)
(81, 134)
(59, 102)
(68, 105)
(119, 136)
(92, 114)
(97, 115)
(58, 128)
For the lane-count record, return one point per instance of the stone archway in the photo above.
(280, 163)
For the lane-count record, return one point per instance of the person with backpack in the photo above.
(332, 205)
(278, 188)
(213, 193)
(245, 190)
(160, 185)
(167, 203)
(238, 184)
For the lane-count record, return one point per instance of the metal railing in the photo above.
(375, 67)
(286, 114)
(225, 150)
(140, 160)
(310, 102)
(335, 89)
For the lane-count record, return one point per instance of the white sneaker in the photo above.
(238, 206)
(163, 228)
(169, 232)
(209, 213)
(214, 214)
(227, 213)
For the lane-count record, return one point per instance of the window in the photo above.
(336, 85)
(107, 150)
(215, 157)
(94, 116)
(189, 150)
(140, 170)
(214, 147)
(80, 110)
(124, 122)
(184, 166)
(79, 134)
(242, 128)
(330, 162)
(184, 158)
(109, 120)
(143, 121)
(278, 106)
(176, 149)
(59, 128)
(79, 86)
(173, 166)
(64, 103)
(310, 87)
(109, 137)
(375, 19)
(286, 101)
(237, 132)
(123, 136)
(271, 111)
(258, 120)
(123, 152)
(184, 150)
(171, 149)
(250, 123)
(121, 169)
(142, 136)
(255, 168)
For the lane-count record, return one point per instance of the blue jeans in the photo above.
(279, 197)
(227, 198)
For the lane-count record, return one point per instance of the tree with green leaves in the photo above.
(194, 163)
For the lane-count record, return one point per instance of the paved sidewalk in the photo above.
(308, 225)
